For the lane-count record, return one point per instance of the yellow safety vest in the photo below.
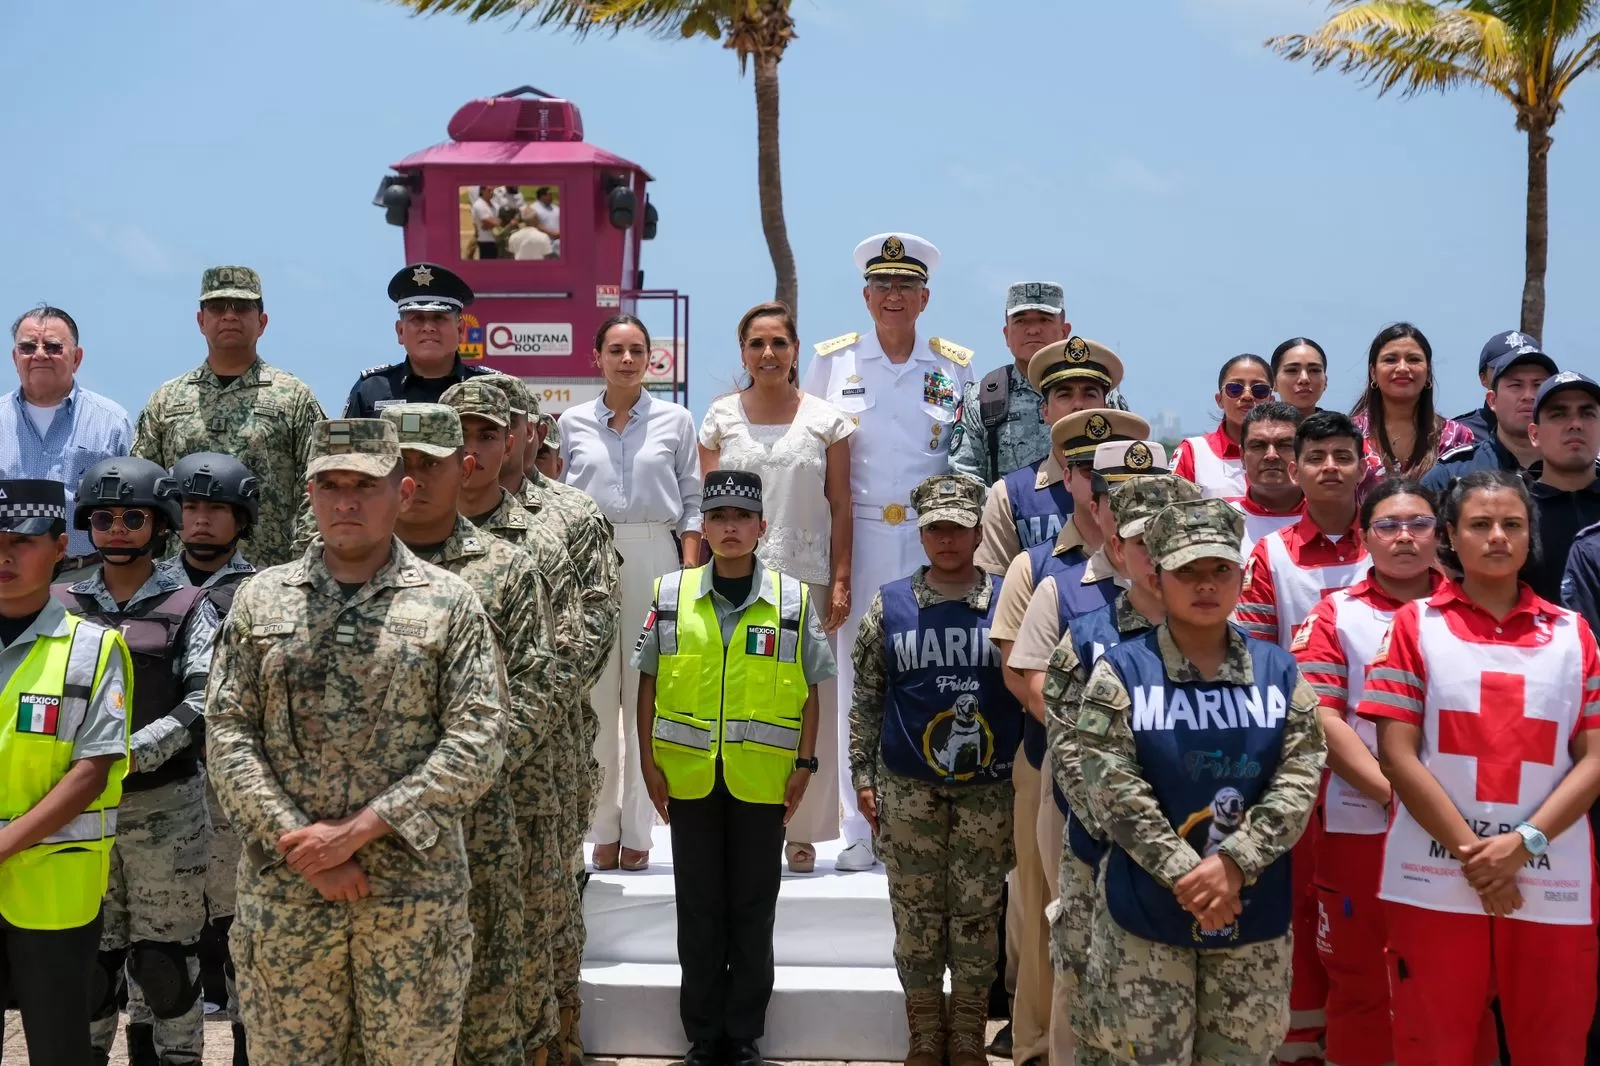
(742, 701)
(58, 883)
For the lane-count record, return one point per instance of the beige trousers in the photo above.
(817, 817)
(1030, 1007)
(1052, 828)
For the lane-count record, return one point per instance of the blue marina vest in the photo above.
(948, 717)
(1093, 634)
(1037, 513)
(1073, 598)
(1208, 750)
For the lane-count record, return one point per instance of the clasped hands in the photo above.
(1210, 892)
(323, 853)
(1490, 866)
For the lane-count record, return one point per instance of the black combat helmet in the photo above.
(126, 481)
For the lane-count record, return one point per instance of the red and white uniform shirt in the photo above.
(1289, 571)
(1213, 462)
(1259, 522)
(1498, 703)
(1333, 648)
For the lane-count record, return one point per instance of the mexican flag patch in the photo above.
(38, 714)
(760, 640)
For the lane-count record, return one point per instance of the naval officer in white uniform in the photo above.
(901, 388)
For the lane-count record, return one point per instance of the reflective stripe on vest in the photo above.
(58, 882)
(738, 704)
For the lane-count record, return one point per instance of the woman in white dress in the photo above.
(636, 456)
(798, 444)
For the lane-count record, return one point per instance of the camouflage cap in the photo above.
(230, 283)
(552, 431)
(517, 393)
(1139, 499)
(954, 498)
(360, 445)
(1043, 296)
(1199, 529)
(430, 428)
(475, 397)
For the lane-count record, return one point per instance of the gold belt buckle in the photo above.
(894, 514)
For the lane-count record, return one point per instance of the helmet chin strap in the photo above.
(126, 556)
(209, 553)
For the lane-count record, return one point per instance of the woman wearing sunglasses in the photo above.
(154, 908)
(1405, 434)
(1486, 697)
(1214, 461)
(1341, 635)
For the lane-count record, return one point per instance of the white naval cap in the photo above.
(896, 253)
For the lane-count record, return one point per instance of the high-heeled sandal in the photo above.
(605, 856)
(635, 861)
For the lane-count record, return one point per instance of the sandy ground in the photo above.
(219, 1048)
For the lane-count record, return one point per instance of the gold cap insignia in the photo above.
(1098, 428)
(1077, 350)
(893, 248)
(422, 276)
(1139, 457)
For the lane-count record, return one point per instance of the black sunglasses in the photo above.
(133, 520)
(50, 347)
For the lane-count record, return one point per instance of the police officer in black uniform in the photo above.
(430, 300)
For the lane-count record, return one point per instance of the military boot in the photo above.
(969, 1013)
(573, 1048)
(925, 1020)
(142, 1045)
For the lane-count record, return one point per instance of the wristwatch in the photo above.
(807, 764)
(1532, 839)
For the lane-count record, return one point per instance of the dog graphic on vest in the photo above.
(960, 754)
(1227, 813)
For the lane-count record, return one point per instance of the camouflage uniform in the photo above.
(1153, 1002)
(263, 418)
(537, 789)
(222, 869)
(506, 963)
(323, 703)
(946, 848)
(158, 865)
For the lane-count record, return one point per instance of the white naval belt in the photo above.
(891, 514)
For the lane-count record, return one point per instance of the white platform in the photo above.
(836, 995)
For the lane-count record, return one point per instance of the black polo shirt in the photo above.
(1561, 516)
(385, 386)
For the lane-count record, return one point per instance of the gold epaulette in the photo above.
(950, 350)
(838, 343)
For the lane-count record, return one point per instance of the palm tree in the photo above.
(758, 30)
(1528, 51)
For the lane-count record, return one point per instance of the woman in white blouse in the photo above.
(636, 456)
(798, 444)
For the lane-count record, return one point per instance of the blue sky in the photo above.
(1197, 196)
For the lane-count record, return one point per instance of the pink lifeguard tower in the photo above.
(547, 229)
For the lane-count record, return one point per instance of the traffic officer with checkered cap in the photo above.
(430, 301)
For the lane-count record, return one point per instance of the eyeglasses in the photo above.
(1389, 528)
(50, 347)
(1235, 389)
(132, 520)
(901, 287)
(224, 306)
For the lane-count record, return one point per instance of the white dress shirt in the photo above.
(904, 413)
(650, 472)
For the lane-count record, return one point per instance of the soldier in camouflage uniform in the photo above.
(932, 735)
(1202, 752)
(236, 403)
(588, 538)
(547, 455)
(154, 908)
(357, 712)
(518, 600)
(1136, 610)
(485, 413)
(1000, 425)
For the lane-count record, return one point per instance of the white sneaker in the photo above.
(856, 858)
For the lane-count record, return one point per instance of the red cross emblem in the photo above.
(1500, 736)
